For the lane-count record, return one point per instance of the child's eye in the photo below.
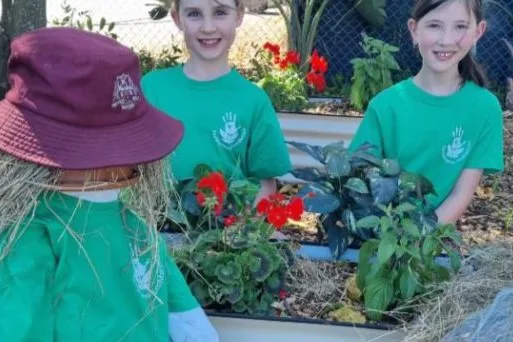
(433, 25)
(193, 14)
(221, 12)
(462, 27)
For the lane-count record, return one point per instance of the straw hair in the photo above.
(23, 183)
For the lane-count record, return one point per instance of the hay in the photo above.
(487, 271)
(22, 184)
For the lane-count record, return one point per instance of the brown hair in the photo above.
(468, 68)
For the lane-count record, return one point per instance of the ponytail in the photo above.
(470, 70)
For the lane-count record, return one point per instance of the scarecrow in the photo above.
(82, 183)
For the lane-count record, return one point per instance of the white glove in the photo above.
(191, 326)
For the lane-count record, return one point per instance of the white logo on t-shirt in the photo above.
(458, 149)
(143, 276)
(126, 93)
(229, 135)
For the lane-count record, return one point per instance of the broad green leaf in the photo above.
(309, 174)
(319, 199)
(405, 207)
(339, 238)
(390, 167)
(378, 295)
(429, 246)
(102, 23)
(410, 228)
(368, 222)
(366, 251)
(407, 283)
(201, 170)
(357, 185)
(455, 260)
(386, 248)
(315, 151)
(338, 164)
(336, 147)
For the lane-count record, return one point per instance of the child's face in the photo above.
(445, 35)
(209, 27)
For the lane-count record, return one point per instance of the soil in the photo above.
(488, 218)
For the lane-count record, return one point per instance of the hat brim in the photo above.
(40, 140)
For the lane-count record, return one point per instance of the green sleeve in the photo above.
(180, 297)
(26, 273)
(488, 150)
(268, 155)
(369, 131)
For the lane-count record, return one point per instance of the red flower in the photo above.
(272, 48)
(200, 197)
(215, 182)
(282, 294)
(295, 208)
(293, 57)
(263, 206)
(318, 63)
(284, 64)
(277, 216)
(316, 80)
(230, 220)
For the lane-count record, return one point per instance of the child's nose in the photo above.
(208, 25)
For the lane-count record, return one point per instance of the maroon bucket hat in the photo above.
(75, 103)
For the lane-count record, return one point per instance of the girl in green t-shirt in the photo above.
(230, 123)
(80, 151)
(443, 122)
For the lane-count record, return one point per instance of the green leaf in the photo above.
(102, 23)
(428, 246)
(229, 273)
(89, 23)
(366, 251)
(405, 207)
(315, 151)
(455, 260)
(111, 26)
(338, 164)
(410, 228)
(339, 238)
(378, 295)
(318, 198)
(390, 167)
(407, 283)
(201, 170)
(357, 185)
(368, 222)
(309, 174)
(386, 248)
(234, 292)
(336, 147)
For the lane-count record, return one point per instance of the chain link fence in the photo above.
(338, 38)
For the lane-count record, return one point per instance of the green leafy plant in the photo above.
(83, 21)
(233, 265)
(302, 32)
(163, 59)
(371, 200)
(287, 86)
(353, 185)
(405, 259)
(373, 73)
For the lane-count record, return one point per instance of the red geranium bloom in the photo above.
(200, 197)
(319, 64)
(293, 57)
(230, 220)
(295, 208)
(277, 216)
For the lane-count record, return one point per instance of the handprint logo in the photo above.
(458, 148)
(230, 134)
(143, 276)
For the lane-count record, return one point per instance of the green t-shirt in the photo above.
(76, 273)
(230, 124)
(437, 136)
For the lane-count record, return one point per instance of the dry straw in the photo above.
(487, 271)
(23, 184)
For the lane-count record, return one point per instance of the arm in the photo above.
(267, 187)
(459, 199)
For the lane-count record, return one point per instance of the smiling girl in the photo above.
(442, 122)
(230, 123)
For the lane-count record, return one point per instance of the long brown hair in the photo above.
(468, 68)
